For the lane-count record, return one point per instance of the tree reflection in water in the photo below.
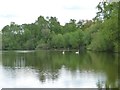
(49, 64)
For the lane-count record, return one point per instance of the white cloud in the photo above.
(27, 11)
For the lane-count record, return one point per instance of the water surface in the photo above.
(52, 69)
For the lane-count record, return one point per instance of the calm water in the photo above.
(43, 69)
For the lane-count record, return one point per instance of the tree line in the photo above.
(100, 33)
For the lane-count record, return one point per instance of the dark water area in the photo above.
(53, 69)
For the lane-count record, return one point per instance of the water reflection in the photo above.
(53, 69)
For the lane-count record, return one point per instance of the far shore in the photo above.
(62, 49)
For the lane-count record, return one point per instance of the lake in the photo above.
(52, 69)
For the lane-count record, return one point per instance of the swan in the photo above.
(63, 52)
(77, 52)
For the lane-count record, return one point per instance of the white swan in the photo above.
(63, 52)
(77, 52)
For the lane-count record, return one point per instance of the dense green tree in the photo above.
(45, 34)
(54, 25)
(100, 34)
(58, 41)
(67, 40)
(106, 10)
(107, 37)
(70, 27)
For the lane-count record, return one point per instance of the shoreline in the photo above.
(68, 50)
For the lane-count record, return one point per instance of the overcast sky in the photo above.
(27, 11)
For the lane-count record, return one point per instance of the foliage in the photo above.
(99, 34)
(106, 39)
